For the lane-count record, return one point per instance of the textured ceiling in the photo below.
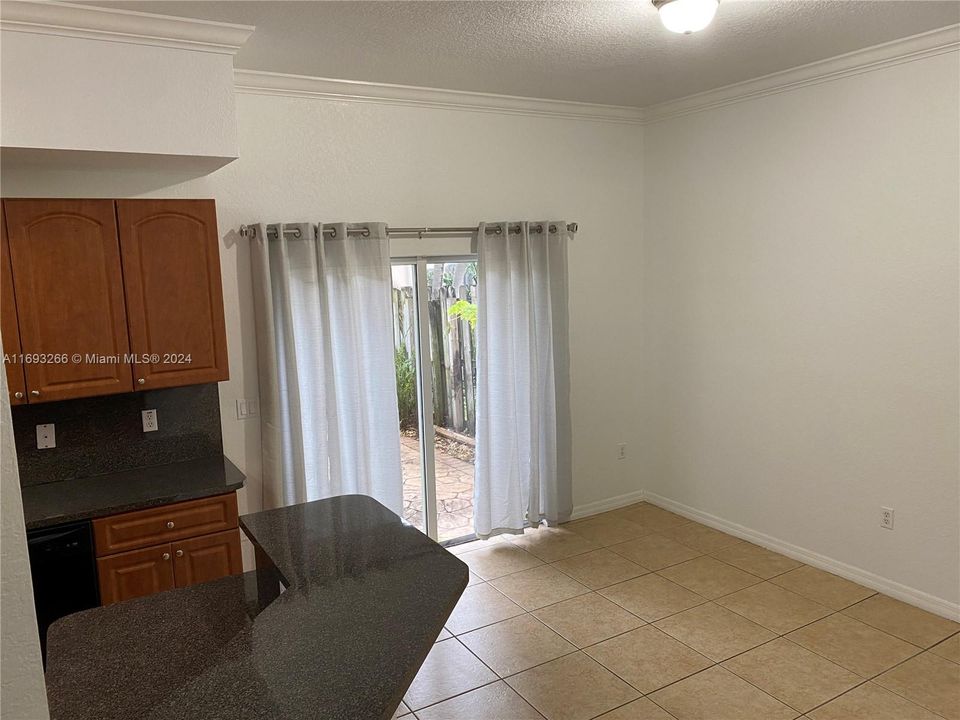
(602, 52)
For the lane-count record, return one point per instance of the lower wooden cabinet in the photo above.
(135, 574)
(206, 558)
(180, 562)
(167, 523)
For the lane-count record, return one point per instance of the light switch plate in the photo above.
(46, 436)
(247, 408)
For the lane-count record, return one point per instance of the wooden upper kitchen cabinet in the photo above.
(174, 296)
(68, 288)
(9, 328)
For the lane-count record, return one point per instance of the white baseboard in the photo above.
(907, 594)
(614, 503)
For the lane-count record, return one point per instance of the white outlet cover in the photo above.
(886, 518)
(149, 418)
(46, 436)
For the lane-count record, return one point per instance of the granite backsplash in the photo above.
(105, 434)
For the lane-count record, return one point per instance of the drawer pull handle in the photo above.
(166, 556)
(170, 525)
(179, 553)
(140, 381)
(18, 395)
(35, 393)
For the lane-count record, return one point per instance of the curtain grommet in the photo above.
(333, 232)
(366, 232)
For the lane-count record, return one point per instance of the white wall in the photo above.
(22, 692)
(320, 160)
(800, 319)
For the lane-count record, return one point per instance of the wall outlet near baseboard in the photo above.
(46, 436)
(621, 451)
(886, 518)
(149, 418)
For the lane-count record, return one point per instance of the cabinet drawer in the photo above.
(143, 528)
(136, 573)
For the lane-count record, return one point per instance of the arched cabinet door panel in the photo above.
(174, 294)
(9, 326)
(68, 288)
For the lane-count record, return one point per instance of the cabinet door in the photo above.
(135, 574)
(9, 327)
(171, 271)
(69, 294)
(206, 558)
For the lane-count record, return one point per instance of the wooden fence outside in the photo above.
(453, 353)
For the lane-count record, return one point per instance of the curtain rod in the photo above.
(251, 231)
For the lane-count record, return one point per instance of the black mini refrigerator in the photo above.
(64, 572)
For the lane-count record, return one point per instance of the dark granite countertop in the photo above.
(101, 495)
(366, 596)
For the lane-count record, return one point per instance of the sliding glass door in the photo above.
(435, 310)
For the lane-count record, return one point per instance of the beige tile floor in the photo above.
(640, 614)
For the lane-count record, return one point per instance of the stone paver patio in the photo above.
(454, 490)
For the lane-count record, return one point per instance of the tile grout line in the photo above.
(902, 662)
(590, 590)
(487, 684)
(652, 572)
(720, 663)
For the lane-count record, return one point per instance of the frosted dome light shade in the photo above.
(687, 16)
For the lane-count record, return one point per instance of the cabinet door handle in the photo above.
(179, 553)
(170, 525)
(166, 556)
(35, 393)
(140, 381)
(18, 395)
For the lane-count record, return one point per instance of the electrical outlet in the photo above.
(149, 418)
(622, 451)
(247, 408)
(46, 436)
(886, 518)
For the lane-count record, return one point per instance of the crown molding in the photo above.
(908, 49)
(876, 57)
(97, 23)
(255, 82)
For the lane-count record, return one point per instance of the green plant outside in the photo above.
(464, 310)
(406, 388)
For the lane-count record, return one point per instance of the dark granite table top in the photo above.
(102, 495)
(366, 596)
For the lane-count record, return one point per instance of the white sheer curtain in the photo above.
(325, 352)
(523, 465)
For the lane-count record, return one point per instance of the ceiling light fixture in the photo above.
(686, 16)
